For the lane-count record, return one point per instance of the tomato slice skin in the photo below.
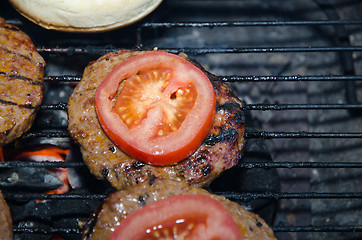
(184, 216)
(167, 123)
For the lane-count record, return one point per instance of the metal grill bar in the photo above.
(66, 79)
(102, 50)
(295, 78)
(46, 230)
(263, 107)
(48, 134)
(268, 165)
(301, 134)
(263, 50)
(250, 23)
(246, 197)
(287, 195)
(262, 135)
(44, 164)
(31, 196)
(283, 107)
(63, 79)
(247, 165)
(58, 106)
(233, 24)
(329, 228)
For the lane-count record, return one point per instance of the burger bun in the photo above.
(84, 15)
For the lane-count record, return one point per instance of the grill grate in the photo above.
(152, 29)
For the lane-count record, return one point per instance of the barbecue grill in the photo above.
(296, 64)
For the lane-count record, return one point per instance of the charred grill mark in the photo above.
(27, 106)
(5, 133)
(201, 157)
(207, 169)
(19, 77)
(10, 27)
(116, 173)
(138, 164)
(234, 108)
(142, 200)
(224, 135)
(230, 106)
(151, 180)
(112, 149)
(89, 226)
(106, 59)
(18, 54)
(259, 224)
(105, 172)
(240, 117)
(213, 78)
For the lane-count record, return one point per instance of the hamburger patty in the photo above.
(21, 82)
(6, 225)
(221, 149)
(120, 204)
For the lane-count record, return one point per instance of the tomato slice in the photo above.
(179, 217)
(157, 107)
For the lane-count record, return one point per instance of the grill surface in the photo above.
(296, 64)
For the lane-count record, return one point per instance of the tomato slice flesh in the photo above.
(180, 228)
(179, 217)
(157, 107)
(147, 90)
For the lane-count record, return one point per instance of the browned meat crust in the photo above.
(220, 151)
(120, 204)
(21, 82)
(6, 225)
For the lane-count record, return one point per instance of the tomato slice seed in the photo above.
(147, 90)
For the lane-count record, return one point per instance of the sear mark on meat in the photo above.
(224, 135)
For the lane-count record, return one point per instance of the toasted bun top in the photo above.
(84, 15)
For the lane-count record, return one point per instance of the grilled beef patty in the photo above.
(6, 225)
(21, 82)
(221, 149)
(120, 204)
